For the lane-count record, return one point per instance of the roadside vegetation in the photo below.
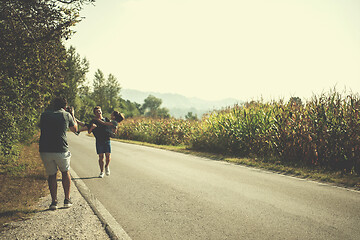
(23, 183)
(318, 139)
(35, 66)
(336, 178)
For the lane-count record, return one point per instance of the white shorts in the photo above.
(54, 160)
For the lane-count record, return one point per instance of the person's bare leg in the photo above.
(80, 123)
(108, 159)
(66, 182)
(52, 181)
(101, 162)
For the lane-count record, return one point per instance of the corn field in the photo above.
(158, 131)
(324, 131)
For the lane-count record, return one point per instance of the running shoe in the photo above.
(107, 171)
(53, 206)
(101, 175)
(67, 203)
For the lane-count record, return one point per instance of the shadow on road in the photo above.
(82, 178)
(77, 178)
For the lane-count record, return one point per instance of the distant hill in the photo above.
(177, 104)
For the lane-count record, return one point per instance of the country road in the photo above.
(158, 194)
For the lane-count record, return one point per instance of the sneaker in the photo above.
(101, 175)
(77, 133)
(53, 206)
(107, 171)
(67, 203)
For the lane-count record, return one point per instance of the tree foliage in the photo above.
(75, 75)
(130, 109)
(106, 91)
(99, 85)
(32, 58)
(295, 100)
(35, 66)
(151, 107)
(112, 93)
(191, 116)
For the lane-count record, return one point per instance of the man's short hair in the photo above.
(96, 108)
(59, 102)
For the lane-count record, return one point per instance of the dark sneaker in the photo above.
(67, 203)
(77, 133)
(53, 206)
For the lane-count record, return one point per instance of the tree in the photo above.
(32, 60)
(84, 103)
(163, 113)
(112, 93)
(106, 91)
(130, 109)
(75, 75)
(295, 100)
(151, 107)
(190, 116)
(99, 93)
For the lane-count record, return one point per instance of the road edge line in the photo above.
(112, 227)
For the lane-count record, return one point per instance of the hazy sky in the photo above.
(214, 49)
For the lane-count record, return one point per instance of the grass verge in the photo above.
(23, 183)
(316, 174)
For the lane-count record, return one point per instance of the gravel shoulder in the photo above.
(77, 222)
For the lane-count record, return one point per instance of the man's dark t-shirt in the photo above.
(53, 125)
(100, 132)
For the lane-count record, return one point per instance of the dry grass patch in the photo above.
(23, 183)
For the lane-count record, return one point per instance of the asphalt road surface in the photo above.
(158, 194)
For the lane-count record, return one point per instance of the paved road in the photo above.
(157, 194)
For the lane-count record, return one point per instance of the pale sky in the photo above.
(215, 49)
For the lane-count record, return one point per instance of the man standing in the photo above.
(103, 145)
(53, 147)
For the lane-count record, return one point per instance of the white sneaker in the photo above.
(101, 175)
(107, 171)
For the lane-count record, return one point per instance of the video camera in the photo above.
(68, 109)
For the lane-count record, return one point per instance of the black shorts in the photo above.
(103, 147)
